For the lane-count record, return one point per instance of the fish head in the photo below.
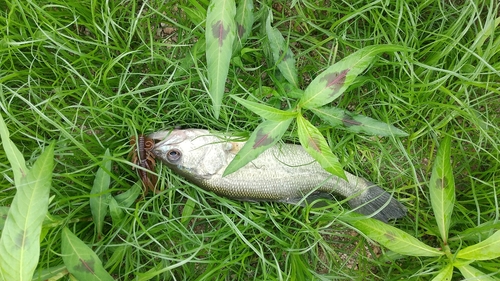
(193, 152)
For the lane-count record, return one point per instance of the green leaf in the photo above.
(244, 21)
(390, 237)
(195, 11)
(332, 82)
(356, 123)
(189, 62)
(3, 215)
(471, 273)
(117, 257)
(266, 111)
(442, 188)
(291, 91)
(282, 55)
(315, 144)
(115, 211)
(80, 260)
(187, 211)
(20, 240)
(267, 134)
(484, 250)
(15, 157)
(219, 34)
(99, 199)
(444, 274)
(52, 273)
(127, 198)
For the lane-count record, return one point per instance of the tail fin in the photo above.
(377, 203)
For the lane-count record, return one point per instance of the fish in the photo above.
(282, 173)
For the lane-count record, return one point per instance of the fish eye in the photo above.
(173, 155)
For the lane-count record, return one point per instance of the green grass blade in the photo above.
(219, 34)
(332, 82)
(315, 144)
(484, 250)
(244, 20)
(356, 123)
(15, 157)
(442, 188)
(80, 260)
(390, 237)
(265, 111)
(267, 134)
(472, 273)
(99, 200)
(282, 55)
(444, 274)
(20, 240)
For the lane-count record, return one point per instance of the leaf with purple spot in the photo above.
(3, 215)
(262, 139)
(220, 32)
(267, 134)
(356, 123)
(314, 143)
(80, 260)
(244, 21)
(20, 238)
(332, 82)
(219, 35)
(282, 55)
(442, 188)
(390, 237)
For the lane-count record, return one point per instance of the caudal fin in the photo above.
(377, 203)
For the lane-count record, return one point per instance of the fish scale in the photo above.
(282, 173)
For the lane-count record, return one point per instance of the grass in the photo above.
(90, 75)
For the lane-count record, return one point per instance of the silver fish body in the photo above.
(283, 173)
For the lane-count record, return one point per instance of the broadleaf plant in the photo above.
(314, 143)
(282, 55)
(244, 20)
(15, 157)
(332, 82)
(20, 238)
(442, 196)
(28, 213)
(356, 123)
(324, 89)
(219, 35)
(390, 237)
(80, 260)
(442, 189)
(99, 199)
(267, 134)
(265, 111)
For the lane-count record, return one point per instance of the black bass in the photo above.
(283, 173)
